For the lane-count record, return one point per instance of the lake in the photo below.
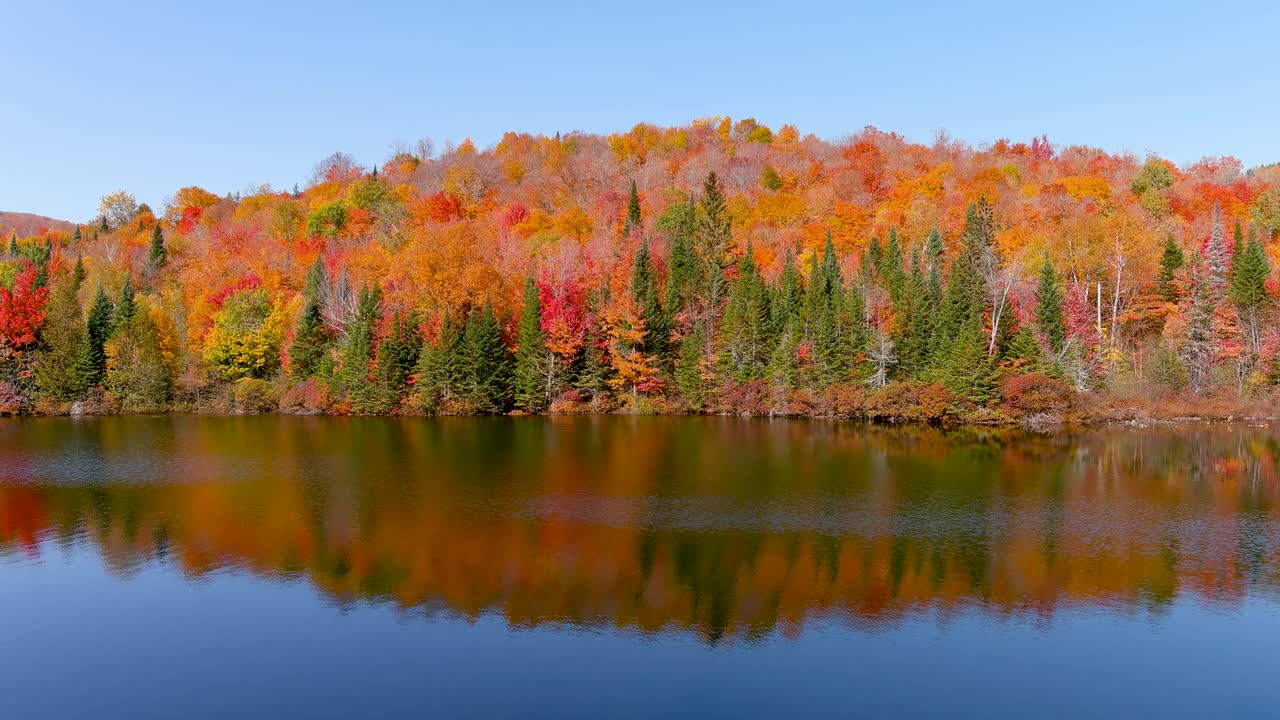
(633, 567)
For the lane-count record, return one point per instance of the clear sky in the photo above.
(152, 96)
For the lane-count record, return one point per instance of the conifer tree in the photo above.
(310, 340)
(684, 272)
(788, 298)
(933, 291)
(1247, 290)
(688, 372)
(98, 329)
(532, 391)
(634, 219)
(966, 295)
(1210, 276)
(397, 354)
(715, 245)
(78, 274)
(784, 363)
(644, 292)
(486, 363)
(592, 377)
(355, 352)
(969, 371)
(1049, 308)
(1170, 262)
(438, 373)
(913, 327)
(126, 306)
(745, 346)
(159, 253)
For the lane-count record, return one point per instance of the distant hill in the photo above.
(28, 224)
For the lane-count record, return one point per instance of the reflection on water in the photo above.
(720, 529)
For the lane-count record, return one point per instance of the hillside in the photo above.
(23, 224)
(719, 266)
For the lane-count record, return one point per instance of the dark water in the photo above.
(633, 567)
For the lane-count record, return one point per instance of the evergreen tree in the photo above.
(355, 352)
(98, 329)
(913, 326)
(1247, 289)
(1170, 262)
(634, 219)
(159, 254)
(644, 291)
(532, 391)
(965, 298)
(688, 372)
(715, 244)
(592, 375)
(1023, 351)
(969, 371)
(684, 272)
(127, 305)
(397, 354)
(872, 259)
(78, 274)
(788, 298)
(75, 236)
(1210, 276)
(933, 291)
(855, 332)
(487, 366)
(745, 331)
(784, 363)
(310, 340)
(439, 373)
(1049, 308)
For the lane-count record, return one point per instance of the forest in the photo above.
(718, 267)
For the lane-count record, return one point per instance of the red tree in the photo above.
(22, 311)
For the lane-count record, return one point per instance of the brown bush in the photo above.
(751, 398)
(310, 397)
(911, 402)
(846, 401)
(1033, 393)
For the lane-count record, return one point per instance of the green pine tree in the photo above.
(688, 373)
(438, 374)
(634, 218)
(1170, 262)
(93, 360)
(355, 352)
(1049, 318)
(965, 298)
(78, 274)
(1247, 287)
(969, 370)
(397, 354)
(684, 272)
(310, 339)
(745, 342)
(127, 305)
(159, 253)
(532, 390)
(487, 364)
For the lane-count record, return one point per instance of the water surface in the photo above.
(633, 567)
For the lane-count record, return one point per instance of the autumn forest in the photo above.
(719, 267)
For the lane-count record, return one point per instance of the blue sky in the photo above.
(228, 95)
